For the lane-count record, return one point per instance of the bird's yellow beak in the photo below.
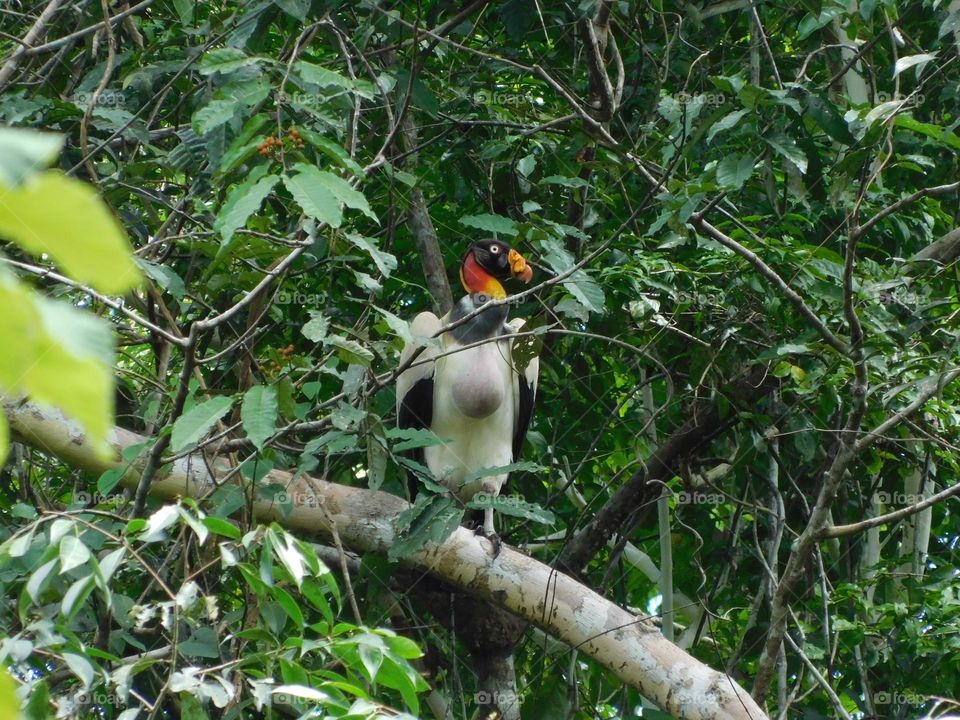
(519, 266)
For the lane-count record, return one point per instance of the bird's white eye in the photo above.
(495, 249)
(481, 298)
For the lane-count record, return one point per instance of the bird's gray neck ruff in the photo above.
(486, 325)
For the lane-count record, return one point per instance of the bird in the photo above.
(476, 399)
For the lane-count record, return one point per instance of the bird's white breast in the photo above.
(477, 382)
(477, 412)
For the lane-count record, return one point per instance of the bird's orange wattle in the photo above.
(519, 267)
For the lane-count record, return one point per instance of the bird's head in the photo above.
(488, 262)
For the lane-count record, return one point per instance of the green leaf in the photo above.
(80, 667)
(882, 112)
(514, 506)
(259, 413)
(399, 326)
(24, 153)
(340, 188)
(202, 643)
(321, 76)
(58, 355)
(296, 8)
(73, 553)
(570, 182)
(728, 121)
(431, 519)
(184, 9)
(908, 61)
(222, 527)
(213, 115)
(787, 147)
(351, 351)
(9, 702)
(583, 288)
(163, 276)
(316, 328)
(512, 467)
(333, 151)
(491, 223)
(526, 348)
(4, 438)
(76, 595)
(526, 165)
(242, 201)
(53, 214)
(811, 23)
(935, 132)
(288, 604)
(825, 114)
(225, 60)
(734, 170)
(413, 438)
(314, 197)
(38, 580)
(385, 262)
(194, 424)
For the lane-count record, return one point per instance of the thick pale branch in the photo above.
(364, 519)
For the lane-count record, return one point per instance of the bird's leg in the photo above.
(488, 530)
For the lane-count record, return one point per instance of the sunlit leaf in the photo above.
(196, 422)
(81, 235)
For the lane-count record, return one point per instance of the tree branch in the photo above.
(662, 464)
(365, 519)
(811, 317)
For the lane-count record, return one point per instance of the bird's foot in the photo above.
(492, 536)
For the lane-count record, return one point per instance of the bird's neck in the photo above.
(476, 279)
(486, 324)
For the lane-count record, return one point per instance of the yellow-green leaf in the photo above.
(26, 152)
(56, 215)
(58, 355)
(9, 703)
(4, 438)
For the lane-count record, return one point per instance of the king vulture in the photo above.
(474, 399)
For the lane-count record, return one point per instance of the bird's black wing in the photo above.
(415, 410)
(525, 398)
(525, 393)
(415, 386)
